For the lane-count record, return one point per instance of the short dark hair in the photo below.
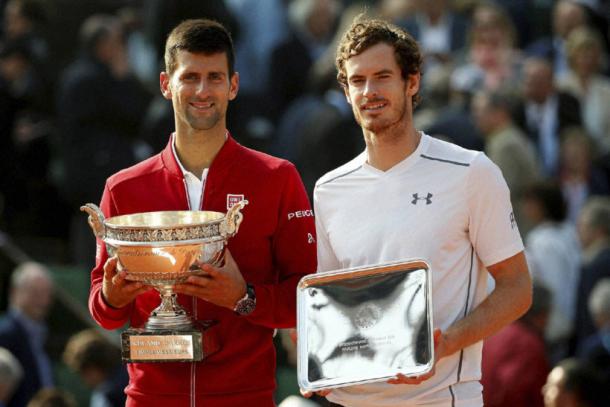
(586, 381)
(549, 195)
(88, 349)
(365, 33)
(200, 35)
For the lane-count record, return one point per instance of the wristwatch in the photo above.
(247, 303)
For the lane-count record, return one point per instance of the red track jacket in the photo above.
(274, 248)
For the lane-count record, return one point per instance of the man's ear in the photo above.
(164, 85)
(233, 86)
(413, 84)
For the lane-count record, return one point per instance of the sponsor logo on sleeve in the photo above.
(300, 214)
(232, 199)
(513, 222)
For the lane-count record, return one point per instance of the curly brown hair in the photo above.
(365, 33)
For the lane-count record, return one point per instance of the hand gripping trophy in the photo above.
(162, 249)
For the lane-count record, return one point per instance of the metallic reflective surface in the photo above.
(364, 325)
(164, 248)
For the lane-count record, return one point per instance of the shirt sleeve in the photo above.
(294, 254)
(492, 226)
(106, 316)
(327, 260)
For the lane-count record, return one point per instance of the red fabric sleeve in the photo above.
(294, 255)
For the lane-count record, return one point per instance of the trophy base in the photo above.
(169, 345)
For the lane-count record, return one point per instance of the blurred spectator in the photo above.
(505, 144)
(263, 25)
(439, 31)
(567, 15)
(545, 112)
(579, 174)
(100, 109)
(596, 348)
(514, 364)
(140, 52)
(100, 106)
(312, 27)
(585, 52)
(594, 231)
(453, 122)
(52, 398)
(23, 20)
(553, 256)
(163, 15)
(573, 383)
(11, 373)
(98, 362)
(23, 330)
(492, 62)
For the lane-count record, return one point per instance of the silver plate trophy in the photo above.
(162, 249)
(364, 324)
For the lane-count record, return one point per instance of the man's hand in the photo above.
(439, 352)
(223, 286)
(321, 393)
(117, 291)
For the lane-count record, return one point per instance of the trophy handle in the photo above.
(232, 220)
(96, 219)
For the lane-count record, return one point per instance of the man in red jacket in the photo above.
(203, 167)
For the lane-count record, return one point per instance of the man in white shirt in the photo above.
(411, 196)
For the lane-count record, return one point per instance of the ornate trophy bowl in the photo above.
(164, 248)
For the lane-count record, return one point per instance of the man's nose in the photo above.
(370, 89)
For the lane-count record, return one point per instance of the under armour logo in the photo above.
(513, 222)
(427, 198)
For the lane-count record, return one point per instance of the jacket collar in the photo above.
(229, 148)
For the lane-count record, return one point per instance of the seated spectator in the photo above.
(580, 175)
(584, 80)
(594, 232)
(567, 15)
(492, 62)
(596, 348)
(505, 144)
(23, 330)
(573, 383)
(11, 373)
(553, 256)
(514, 364)
(98, 362)
(545, 112)
(439, 31)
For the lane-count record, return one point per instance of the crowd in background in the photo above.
(528, 82)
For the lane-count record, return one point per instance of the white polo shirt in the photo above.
(445, 204)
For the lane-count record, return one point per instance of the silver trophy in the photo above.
(162, 249)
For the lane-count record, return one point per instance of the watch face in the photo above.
(245, 306)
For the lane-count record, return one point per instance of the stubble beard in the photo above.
(379, 126)
(203, 123)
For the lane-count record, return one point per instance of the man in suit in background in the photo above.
(23, 330)
(545, 112)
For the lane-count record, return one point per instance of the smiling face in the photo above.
(381, 99)
(200, 89)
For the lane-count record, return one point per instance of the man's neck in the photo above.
(388, 149)
(197, 150)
